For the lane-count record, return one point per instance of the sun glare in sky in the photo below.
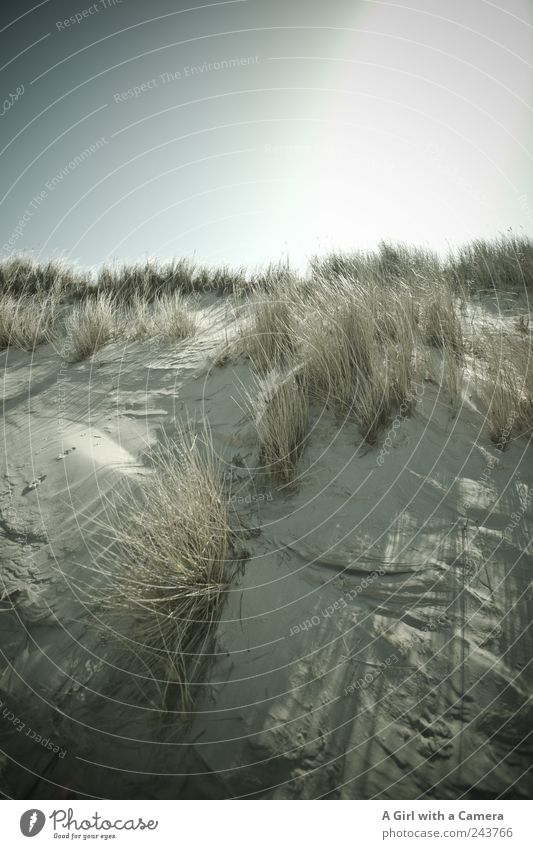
(245, 132)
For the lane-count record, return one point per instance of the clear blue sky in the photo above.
(244, 131)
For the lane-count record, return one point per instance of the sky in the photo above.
(250, 131)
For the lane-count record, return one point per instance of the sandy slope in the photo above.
(376, 642)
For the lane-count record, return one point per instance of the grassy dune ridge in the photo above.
(356, 333)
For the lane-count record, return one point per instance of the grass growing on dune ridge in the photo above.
(357, 327)
(166, 318)
(359, 333)
(388, 263)
(91, 325)
(154, 279)
(88, 327)
(504, 263)
(22, 276)
(343, 344)
(26, 323)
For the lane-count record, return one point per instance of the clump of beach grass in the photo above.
(268, 335)
(376, 396)
(441, 325)
(502, 264)
(174, 547)
(25, 322)
(89, 326)
(172, 318)
(23, 276)
(389, 263)
(336, 339)
(280, 410)
(153, 279)
(508, 389)
(168, 317)
(139, 319)
(352, 345)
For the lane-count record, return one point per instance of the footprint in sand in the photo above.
(65, 453)
(33, 485)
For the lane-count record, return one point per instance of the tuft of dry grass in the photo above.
(359, 351)
(23, 276)
(441, 325)
(153, 279)
(167, 317)
(508, 389)
(280, 410)
(89, 326)
(353, 345)
(501, 264)
(25, 322)
(139, 319)
(336, 340)
(268, 336)
(376, 397)
(174, 545)
(388, 264)
(172, 319)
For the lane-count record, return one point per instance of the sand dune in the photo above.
(374, 642)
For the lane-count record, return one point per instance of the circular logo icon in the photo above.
(32, 822)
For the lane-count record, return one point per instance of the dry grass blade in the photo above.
(452, 378)
(89, 326)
